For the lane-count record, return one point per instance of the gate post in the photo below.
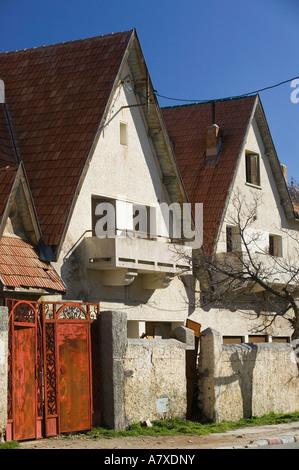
(3, 369)
(113, 328)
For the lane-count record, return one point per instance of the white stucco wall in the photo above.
(129, 173)
(271, 217)
(238, 317)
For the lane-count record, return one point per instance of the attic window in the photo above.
(123, 136)
(253, 169)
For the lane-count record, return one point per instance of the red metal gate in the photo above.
(50, 368)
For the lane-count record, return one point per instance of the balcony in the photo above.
(122, 258)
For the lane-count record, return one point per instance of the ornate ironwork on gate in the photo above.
(50, 358)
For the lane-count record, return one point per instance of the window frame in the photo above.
(123, 133)
(253, 175)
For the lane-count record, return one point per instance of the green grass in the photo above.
(171, 427)
(9, 445)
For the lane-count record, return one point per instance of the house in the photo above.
(23, 268)
(228, 162)
(92, 205)
(95, 186)
(87, 129)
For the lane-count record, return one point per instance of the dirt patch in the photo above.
(238, 438)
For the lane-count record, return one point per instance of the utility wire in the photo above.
(230, 97)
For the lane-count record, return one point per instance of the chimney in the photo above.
(213, 139)
(285, 173)
(2, 91)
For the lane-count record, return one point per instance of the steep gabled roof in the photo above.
(211, 184)
(20, 264)
(7, 180)
(56, 96)
(208, 184)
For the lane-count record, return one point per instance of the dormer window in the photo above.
(253, 169)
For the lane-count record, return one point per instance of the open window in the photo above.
(112, 217)
(233, 239)
(103, 216)
(275, 245)
(253, 168)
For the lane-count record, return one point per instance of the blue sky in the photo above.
(194, 49)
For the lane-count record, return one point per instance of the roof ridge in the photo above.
(218, 100)
(66, 43)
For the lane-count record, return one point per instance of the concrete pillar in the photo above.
(209, 363)
(113, 328)
(3, 369)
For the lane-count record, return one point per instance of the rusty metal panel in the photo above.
(73, 376)
(24, 377)
(50, 366)
(25, 414)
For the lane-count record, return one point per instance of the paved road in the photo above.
(294, 445)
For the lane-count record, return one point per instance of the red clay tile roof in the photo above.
(7, 178)
(56, 96)
(7, 152)
(208, 184)
(296, 207)
(20, 266)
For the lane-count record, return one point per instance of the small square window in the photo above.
(253, 168)
(123, 137)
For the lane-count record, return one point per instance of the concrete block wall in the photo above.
(244, 380)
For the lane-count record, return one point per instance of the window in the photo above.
(232, 339)
(257, 339)
(275, 245)
(233, 239)
(103, 216)
(144, 221)
(123, 137)
(271, 245)
(280, 339)
(253, 168)
(229, 239)
(112, 217)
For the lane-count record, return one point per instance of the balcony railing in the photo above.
(125, 256)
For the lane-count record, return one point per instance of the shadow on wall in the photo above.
(242, 363)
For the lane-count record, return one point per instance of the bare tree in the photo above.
(252, 264)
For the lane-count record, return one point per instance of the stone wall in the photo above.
(143, 379)
(244, 380)
(155, 379)
(3, 369)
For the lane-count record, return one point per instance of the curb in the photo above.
(266, 442)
